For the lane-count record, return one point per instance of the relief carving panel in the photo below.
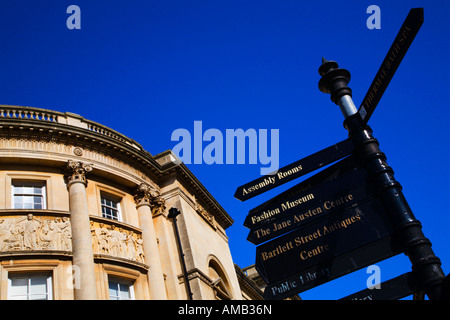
(30, 233)
(117, 242)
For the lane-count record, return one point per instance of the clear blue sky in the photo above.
(146, 68)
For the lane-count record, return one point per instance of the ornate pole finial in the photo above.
(334, 81)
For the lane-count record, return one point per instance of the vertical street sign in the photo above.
(395, 55)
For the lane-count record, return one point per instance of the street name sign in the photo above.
(393, 289)
(295, 170)
(274, 227)
(326, 175)
(307, 198)
(323, 240)
(329, 270)
(395, 55)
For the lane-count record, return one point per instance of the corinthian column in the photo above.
(148, 200)
(83, 256)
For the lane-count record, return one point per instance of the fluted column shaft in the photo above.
(83, 256)
(146, 200)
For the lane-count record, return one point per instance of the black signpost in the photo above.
(348, 216)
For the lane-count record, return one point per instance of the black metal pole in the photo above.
(408, 230)
(173, 213)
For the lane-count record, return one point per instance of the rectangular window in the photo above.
(120, 290)
(110, 207)
(33, 286)
(28, 195)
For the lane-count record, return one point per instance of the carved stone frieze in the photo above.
(117, 242)
(28, 233)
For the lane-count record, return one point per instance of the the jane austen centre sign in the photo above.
(349, 215)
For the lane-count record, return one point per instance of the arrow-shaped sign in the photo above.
(295, 170)
(323, 240)
(395, 55)
(393, 289)
(306, 199)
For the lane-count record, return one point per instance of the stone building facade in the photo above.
(84, 214)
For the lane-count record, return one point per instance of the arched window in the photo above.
(220, 283)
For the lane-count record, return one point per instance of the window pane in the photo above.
(113, 290)
(28, 189)
(18, 203)
(38, 285)
(18, 189)
(37, 190)
(124, 291)
(27, 206)
(27, 199)
(19, 286)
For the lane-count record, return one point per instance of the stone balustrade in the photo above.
(67, 118)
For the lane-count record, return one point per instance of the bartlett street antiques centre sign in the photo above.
(326, 239)
(351, 214)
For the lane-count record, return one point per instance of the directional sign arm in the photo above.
(393, 289)
(395, 55)
(295, 170)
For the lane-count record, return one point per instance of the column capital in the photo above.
(75, 171)
(147, 195)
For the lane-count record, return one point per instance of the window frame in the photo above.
(121, 281)
(29, 276)
(34, 183)
(114, 199)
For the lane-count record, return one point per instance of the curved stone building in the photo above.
(84, 214)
